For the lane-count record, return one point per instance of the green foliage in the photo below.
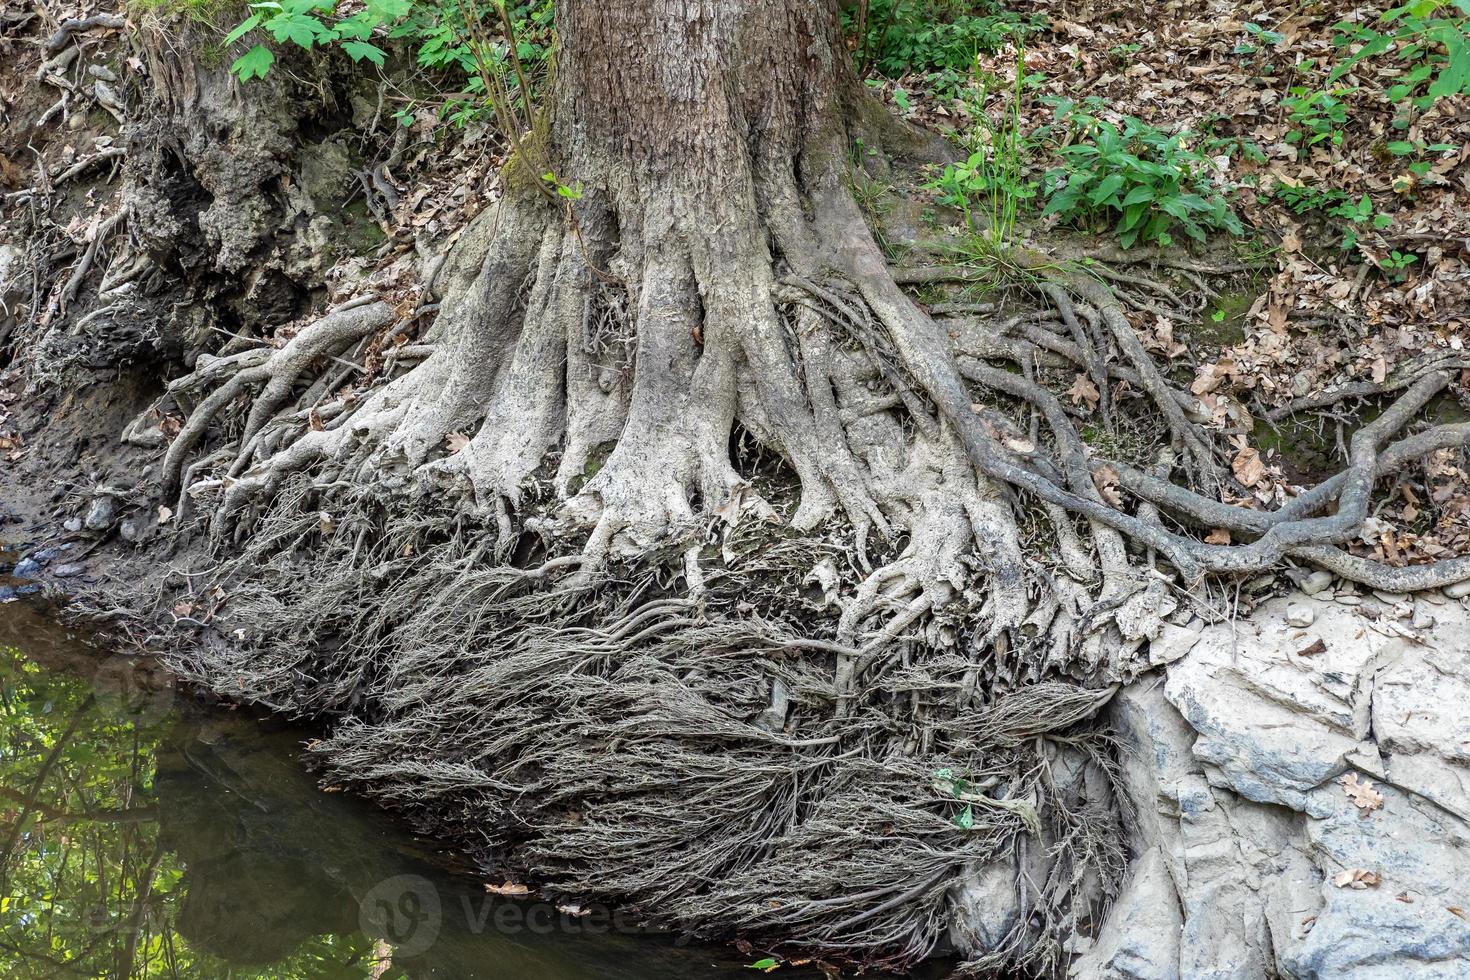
(567, 192)
(1431, 38)
(470, 42)
(253, 63)
(992, 179)
(1258, 36)
(1316, 117)
(1357, 213)
(208, 12)
(1397, 262)
(1149, 182)
(900, 37)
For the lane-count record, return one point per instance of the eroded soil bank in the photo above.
(1260, 777)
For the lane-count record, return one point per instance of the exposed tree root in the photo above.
(552, 609)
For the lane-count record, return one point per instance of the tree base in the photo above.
(550, 609)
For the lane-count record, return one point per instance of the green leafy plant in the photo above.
(989, 187)
(1396, 262)
(489, 48)
(1418, 167)
(899, 37)
(1358, 213)
(1123, 53)
(1316, 116)
(974, 795)
(1431, 37)
(1150, 183)
(1258, 36)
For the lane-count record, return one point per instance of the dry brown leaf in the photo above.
(1106, 479)
(1218, 536)
(1083, 391)
(456, 441)
(1017, 444)
(509, 888)
(1248, 467)
(1363, 795)
(1316, 646)
(1357, 878)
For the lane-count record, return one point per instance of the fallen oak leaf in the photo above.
(1315, 647)
(456, 441)
(1106, 480)
(1363, 795)
(1083, 391)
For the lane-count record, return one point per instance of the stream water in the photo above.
(147, 835)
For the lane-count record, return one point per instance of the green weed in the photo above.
(1357, 213)
(1149, 182)
(898, 38)
(1430, 37)
(1315, 117)
(492, 50)
(990, 187)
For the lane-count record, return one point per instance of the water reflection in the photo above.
(144, 836)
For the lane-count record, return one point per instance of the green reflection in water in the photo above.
(145, 836)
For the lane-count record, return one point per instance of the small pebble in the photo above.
(27, 568)
(1423, 619)
(1316, 582)
(1349, 599)
(101, 514)
(1458, 590)
(73, 524)
(71, 570)
(1300, 616)
(1261, 583)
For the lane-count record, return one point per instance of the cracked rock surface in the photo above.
(1254, 855)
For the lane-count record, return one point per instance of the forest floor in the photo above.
(1358, 201)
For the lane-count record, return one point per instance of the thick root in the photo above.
(795, 688)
